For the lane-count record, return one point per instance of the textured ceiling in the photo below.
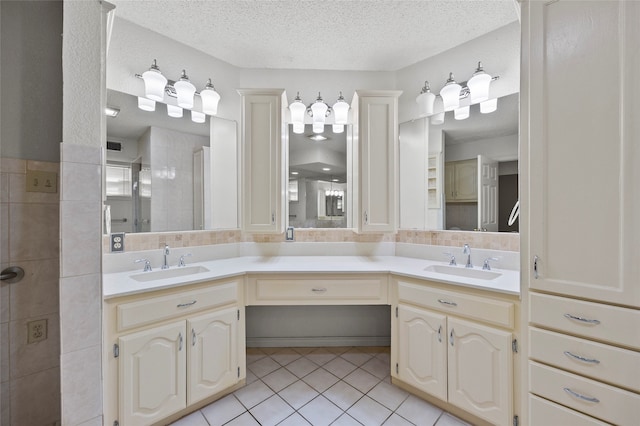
(373, 35)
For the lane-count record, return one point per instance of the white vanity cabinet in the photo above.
(455, 346)
(263, 164)
(375, 130)
(172, 351)
(580, 204)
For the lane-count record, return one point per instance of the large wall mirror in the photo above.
(157, 175)
(319, 188)
(470, 170)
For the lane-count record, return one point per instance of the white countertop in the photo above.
(121, 284)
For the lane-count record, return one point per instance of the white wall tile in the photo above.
(29, 358)
(37, 293)
(81, 385)
(81, 182)
(33, 231)
(80, 154)
(43, 387)
(81, 238)
(80, 300)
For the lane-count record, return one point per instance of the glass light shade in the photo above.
(489, 106)
(146, 104)
(341, 111)
(437, 119)
(451, 94)
(185, 91)
(478, 85)
(298, 128)
(154, 83)
(297, 109)
(461, 113)
(318, 127)
(338, 128)
(174, 111)
(425, 103)
(210, 99)
(319, 111)
(198, 117)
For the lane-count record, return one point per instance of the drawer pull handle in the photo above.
(580, 396)
(581, 319)
(440, 334)
(448, 303)
(580, 358)
(319, 290)
(184, 305)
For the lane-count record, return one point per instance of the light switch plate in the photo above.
(289, 234)
(117, 242)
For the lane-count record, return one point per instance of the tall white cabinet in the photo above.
(375, 130)
(263, 164)
(580, 151)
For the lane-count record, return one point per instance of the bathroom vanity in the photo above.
(176, 337)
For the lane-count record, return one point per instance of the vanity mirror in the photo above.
(471, 170)
(156, 168)
(319, 187)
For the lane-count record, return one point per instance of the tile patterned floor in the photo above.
(319, 386)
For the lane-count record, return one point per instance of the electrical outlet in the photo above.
(41, 181)
(117, 242)
(36, 331)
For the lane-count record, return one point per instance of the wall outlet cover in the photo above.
(117, 242)
(41, 181)
(36, 330)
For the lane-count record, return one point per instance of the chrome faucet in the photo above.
(452, 258)
(147, 264)
(467, 250)
(181, 262)
(165, 265)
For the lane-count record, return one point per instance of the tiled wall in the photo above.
(29, 238)
(149, 241)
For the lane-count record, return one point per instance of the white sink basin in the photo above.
(168, 273)
(461, 271)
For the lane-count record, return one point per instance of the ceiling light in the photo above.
(335, 180)
(111, 111)
(317, 138)
(341, 111)
(146, 104)
(451, 94)
(478, 85)
(185, 91)
(198, 117)
(295, 173)
(425, 101)
(326, 169)
(210, 99)
(154, 83)
(174, 111)
(297, 110)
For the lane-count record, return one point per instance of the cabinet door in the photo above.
(466, 180)
(422, 350)
(377, 114)
(152, 374)
(263, 165)
(213, 353)
(450, 181)
(584, 199)
(480, 370)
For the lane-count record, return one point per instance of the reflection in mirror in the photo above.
(156, 169)
(481, 168)
(317, 196)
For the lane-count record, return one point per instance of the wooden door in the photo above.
(480, 367)
(152, 374)
(422, 350)
(487, 194)
(213, 356)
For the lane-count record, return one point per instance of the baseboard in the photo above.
(299, 342)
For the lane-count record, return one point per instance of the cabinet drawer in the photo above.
(492, 311)
(605, 402)
(329, 290)
(545, 413)
(150, 310)
(591, 320)
(617, 366)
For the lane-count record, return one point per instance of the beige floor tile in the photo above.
(339, 367)
(298, 394)
(244, 420)
(377, 367)
(272, 411)
(279, 379)
(285, 356)
(346, 420)
(223, 410)
(253, 394)
(362, 380)
(320, 380)
(263, 366)
(418, 411)
(448, 420)
(356, 357)
(301, 367)
(396, 420)
(193, 419)
(320, 411)
(369, 412)
(343, 395)
(294, 420)
(321, 356)
(388, 395)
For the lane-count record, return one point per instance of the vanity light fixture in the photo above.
(157, 86)
(297, 109)
(319, 111)
(476, 89)
(111, 111)
(198, 117)
(425, 101)
(338, 128)
(341, 111)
